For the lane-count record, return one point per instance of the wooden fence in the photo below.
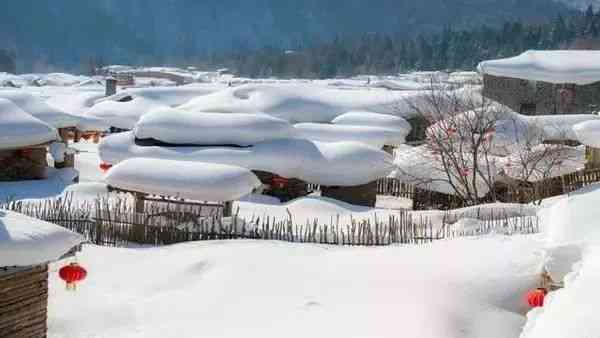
(115, 223)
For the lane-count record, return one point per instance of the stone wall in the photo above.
(23, 164)
(23, 302)
(536, 97)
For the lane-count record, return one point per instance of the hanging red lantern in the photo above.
(27, 152)
(105, 166)
(72, 274)
(535, 298)
(279, 182)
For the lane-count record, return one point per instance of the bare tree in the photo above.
(469, 142)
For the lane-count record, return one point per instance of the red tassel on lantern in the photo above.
(105, 166)
(72, 274)
(535, 298)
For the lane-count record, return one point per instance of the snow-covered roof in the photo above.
(38, 108)
(25, 241)
(588, 133)
(543, 161)
(333, 164)
(19, 129)
(555, 66)
(370, 119)
(374, 136)
(123, 115)
(191, 180)
(177, 126)
(302, 102)
(169, 96)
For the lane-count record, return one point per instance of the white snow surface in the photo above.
(302, 102)
(572, 311)
(543, 161)
(580, 67)
(19, 129)
(123, 115)
(177, 126)
(335, 164)
(588, 133)
(373, 136)
(370, 119)
(170, 96)
(228, 288)
(190, 180)
(40, 109)
(25, 241)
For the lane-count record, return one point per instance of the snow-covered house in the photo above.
(545, 82)
(23, 144)
(26, 247)
(263, 144)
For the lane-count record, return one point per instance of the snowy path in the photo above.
(461, 288)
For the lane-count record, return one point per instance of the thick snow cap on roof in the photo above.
(302, 102)
(373, 136)
(191, 180)
(25, 241)
(170, 96)
(19, 129)
(123, 115)
(176, 126)
(39, 109)
(333, 164)
(588, 133)
(370, 119)
(555, 66)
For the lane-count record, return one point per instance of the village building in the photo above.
(27, 246)
(545, 82)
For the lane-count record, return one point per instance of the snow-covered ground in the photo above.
(461, 288)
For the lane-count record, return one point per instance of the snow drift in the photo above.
(19, 129)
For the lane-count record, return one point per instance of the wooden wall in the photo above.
(23, 302)
(17, 165)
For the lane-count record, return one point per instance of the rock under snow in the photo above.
(19, 129)
(177, 126)
(25, 241)
(581, 67)
(191, 180)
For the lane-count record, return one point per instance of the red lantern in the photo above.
(535, 298)
(72, 274)
(105, 166)
(279, 182)
(27, 152)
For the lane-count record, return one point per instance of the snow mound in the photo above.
(40, 109)
(302, 102)
(25, 241)
(588, 133)
(19, 129)
(176, 126)
(191, 180)
(374, 136)
(370, 119)
(123, 115)
(553, 66)
(572, 311)
(335, 164)
(573, 219)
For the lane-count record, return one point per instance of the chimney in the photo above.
(111, 86)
